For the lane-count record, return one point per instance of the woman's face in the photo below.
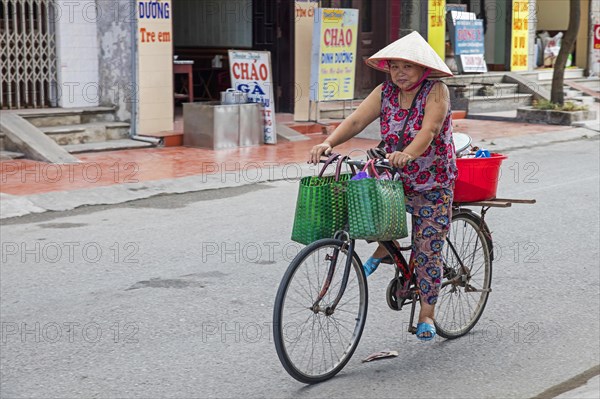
(404, 74)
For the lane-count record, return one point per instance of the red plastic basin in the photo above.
(477, 178)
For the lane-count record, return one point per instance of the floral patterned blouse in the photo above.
(436, 167)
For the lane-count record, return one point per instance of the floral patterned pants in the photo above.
(431, 216)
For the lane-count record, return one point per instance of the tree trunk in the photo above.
(557, 94)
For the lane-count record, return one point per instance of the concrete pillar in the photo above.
(411, 12)
(117, 46)
(532, 24)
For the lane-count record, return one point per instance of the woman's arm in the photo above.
(436, 109)
(367, 112)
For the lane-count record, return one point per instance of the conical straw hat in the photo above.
(412, 48)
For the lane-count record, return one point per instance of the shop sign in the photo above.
(436, 26)
(468, 36)
(303, 30)
(596, 37)
(472, 63)
(154, 59)
(333, 54)
(250, 73)
(520, 35)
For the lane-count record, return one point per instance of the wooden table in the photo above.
(207, 75)
(185, 68)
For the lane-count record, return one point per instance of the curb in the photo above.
(13, 206)
(58, 201)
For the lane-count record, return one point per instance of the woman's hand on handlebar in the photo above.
(399, 159)
(318, 151)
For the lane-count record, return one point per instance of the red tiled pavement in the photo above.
(25, 177)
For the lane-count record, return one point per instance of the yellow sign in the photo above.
(520, 35)
(334, 54)
(436, 26)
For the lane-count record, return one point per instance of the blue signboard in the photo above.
(468, 36)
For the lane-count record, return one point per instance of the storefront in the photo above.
(27, 54)
(552, 20)
(517, 32)
(204, 31)
(495, 17)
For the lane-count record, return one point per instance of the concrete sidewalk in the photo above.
(121, 176)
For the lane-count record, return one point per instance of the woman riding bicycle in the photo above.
(416, 129)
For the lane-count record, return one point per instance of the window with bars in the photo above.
(27, 54)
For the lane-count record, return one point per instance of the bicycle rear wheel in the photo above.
(312, 344)
(464, 292)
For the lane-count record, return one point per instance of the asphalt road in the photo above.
(172, 297)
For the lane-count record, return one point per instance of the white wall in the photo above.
(77, 53)
(553, 15)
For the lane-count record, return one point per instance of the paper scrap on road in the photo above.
(380, 355)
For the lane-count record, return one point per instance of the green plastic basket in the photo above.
(376, 209)
(321, 208)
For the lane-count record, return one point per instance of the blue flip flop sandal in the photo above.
(423, 328)
(371, 265)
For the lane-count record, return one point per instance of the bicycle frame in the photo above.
(408, 291)
(330, 309)
(403, 273)
(402, 268)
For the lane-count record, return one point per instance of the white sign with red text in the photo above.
(251, 73)
(472, 63)
(595, 52)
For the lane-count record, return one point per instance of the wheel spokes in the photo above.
(322, 341)
(466, 264)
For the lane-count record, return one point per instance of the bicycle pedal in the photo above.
(397, 293)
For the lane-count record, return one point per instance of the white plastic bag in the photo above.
(551, 49)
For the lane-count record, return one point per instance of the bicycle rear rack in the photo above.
(493, 203)
(497, 202)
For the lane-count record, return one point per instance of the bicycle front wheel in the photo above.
(312, 343)
(467, 277)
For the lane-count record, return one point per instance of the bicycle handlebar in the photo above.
(379, 163)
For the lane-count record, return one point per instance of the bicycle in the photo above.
(335, 303)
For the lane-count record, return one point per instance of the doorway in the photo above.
(273, 30)
(27, 54)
